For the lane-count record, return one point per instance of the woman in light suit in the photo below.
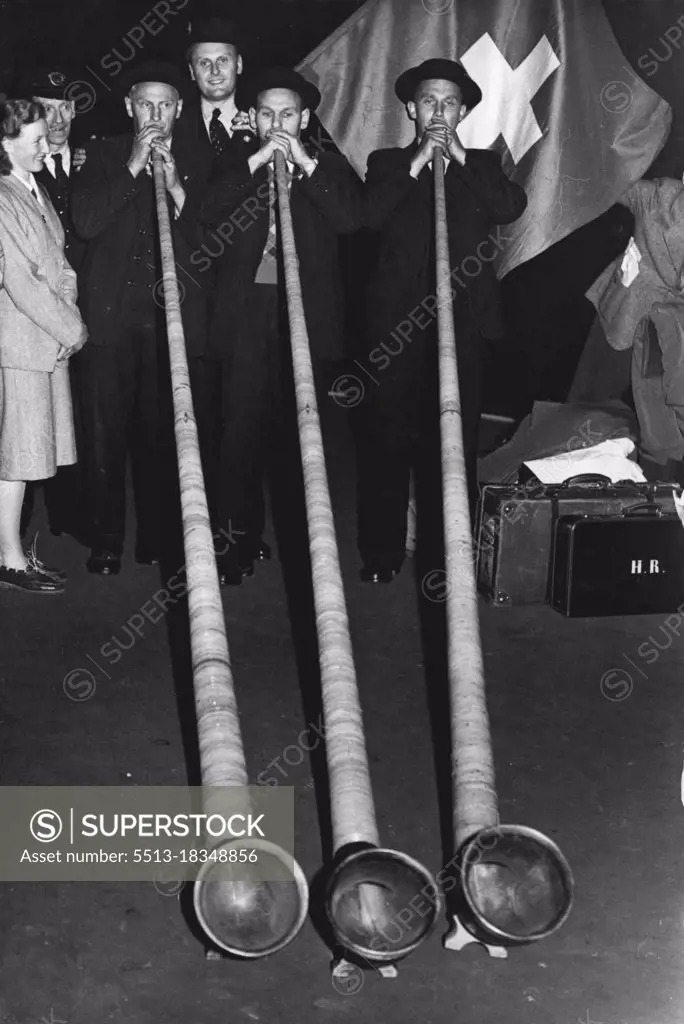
(40, 328)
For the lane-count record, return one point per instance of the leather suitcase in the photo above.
(626, 564)
(515, 524)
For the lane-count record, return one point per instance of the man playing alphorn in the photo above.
(401, 412)
(123, 382)
(248, 334)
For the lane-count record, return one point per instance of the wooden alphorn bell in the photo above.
(369, 891)
(516, 883)
(247, 917)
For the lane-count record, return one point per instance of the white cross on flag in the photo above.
(575, 126)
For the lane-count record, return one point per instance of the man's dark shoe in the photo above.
(378, 573)
(146, 556)
(261, 551)
(232, 571)
(104, 563)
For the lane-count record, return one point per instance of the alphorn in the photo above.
(370, 889)
(517, 884)
(248, 917)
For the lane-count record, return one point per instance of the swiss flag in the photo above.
(574, 123)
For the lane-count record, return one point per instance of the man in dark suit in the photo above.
(47, 86)
(123, 382)
(401, 413)
(211, 117)
(248, 334)
(210, 125)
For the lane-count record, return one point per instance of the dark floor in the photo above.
(601, 776)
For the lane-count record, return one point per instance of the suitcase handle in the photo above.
(648, 508)
(595, 479)
(585, 478)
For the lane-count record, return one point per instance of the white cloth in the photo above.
(66, 160)
(679, 509)
(610, 458)
(629, 268)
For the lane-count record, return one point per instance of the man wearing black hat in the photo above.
(248, 332)
(123, 381)
(402, 413)
(47, 86)
(215, 62)
(211, 125)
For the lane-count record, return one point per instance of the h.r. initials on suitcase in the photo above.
(596, 571)
(653, 566)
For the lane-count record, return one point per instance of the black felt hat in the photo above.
(156, 71)
(50, 83)
(276, 78)
(215, 30)
(448, 70)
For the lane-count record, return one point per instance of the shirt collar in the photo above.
(31, 184)
(292, 171)
(65, 153)
(227, 108)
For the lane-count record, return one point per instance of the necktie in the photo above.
(61, 176)
(218, 134)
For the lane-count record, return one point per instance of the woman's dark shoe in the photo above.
(37, 566)
(30, 580)
(105, 563)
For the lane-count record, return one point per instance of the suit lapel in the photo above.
(47, 214)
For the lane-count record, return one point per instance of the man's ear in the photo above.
(192, 72)
(462, 113)
(306, 115)
(179, 109)
(129, 106)
(239, 65)
(411, 110)
(252, 119)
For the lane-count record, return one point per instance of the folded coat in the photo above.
(648, 314)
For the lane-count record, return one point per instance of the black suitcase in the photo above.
(626, 564)
(514, 535)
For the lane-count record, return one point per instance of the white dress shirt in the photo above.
(447, 161)
(65, 152)
(228, 112)
(292, 171)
